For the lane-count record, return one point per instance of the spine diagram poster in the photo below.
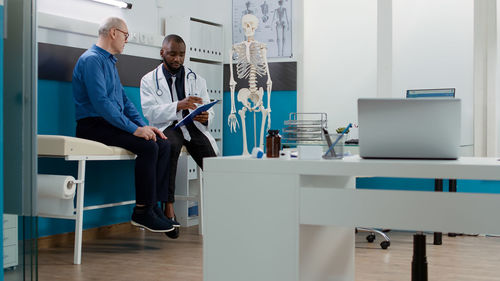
(275, 24)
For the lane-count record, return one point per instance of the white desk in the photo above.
(274, 219)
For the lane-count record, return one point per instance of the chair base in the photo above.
(371, 237)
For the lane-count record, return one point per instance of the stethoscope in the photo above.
(191, 77)
(159, 92)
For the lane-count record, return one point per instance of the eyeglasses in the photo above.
(124, 33)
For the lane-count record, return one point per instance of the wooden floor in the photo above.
(141, 255)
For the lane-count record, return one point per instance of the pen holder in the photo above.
(338, 150)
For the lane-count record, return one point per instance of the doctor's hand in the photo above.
(202, 117)
(189, 103)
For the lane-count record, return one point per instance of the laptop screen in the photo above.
(431, 93)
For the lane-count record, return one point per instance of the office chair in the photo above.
(371, 236)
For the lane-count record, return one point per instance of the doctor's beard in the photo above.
(171, 68)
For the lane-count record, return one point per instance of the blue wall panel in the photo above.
(282, 104)
(396, 184)
(478, 186)
(56, 109)
(106, 182)
(469, 186)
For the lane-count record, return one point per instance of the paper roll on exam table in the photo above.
(55, 195)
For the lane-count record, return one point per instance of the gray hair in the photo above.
(107, 24)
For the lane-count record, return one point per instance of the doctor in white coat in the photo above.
(168, 93)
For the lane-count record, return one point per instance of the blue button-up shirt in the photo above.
(98, 92)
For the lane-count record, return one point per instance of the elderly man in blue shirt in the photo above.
(105, 114)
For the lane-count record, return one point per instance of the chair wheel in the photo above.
(370, 238)
(385, 244)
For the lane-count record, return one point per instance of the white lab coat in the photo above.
(161, 111)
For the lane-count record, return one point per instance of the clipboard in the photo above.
(189, 118)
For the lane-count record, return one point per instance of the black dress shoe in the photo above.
(174, 234)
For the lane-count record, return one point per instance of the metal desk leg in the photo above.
(438, 236)
(453, 188)
(200, 205)
(419, 262)
(79, 213)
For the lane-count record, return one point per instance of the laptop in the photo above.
(409, 128)
(431, 93)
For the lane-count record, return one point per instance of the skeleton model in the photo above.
(251, 61)
(280, 15)
(247, 11)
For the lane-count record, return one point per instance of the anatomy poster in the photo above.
(275, 24)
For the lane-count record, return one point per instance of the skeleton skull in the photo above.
(249, 23)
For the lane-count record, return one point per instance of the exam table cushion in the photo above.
(55, 145)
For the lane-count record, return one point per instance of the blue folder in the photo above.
(189, 118)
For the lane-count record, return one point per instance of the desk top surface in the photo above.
(462, 168)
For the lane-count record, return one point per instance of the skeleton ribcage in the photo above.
(251, 62)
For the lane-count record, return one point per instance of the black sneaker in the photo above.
(173, 234)
(147, 218)
(159, 212)
(175, 222)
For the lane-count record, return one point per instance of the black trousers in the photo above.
(198, 147)
(152, 162)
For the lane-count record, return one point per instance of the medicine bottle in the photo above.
(273, 144)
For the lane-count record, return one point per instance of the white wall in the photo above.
(138, 18)
(497, 80)
(144, 17)
(78, 20)
(340, 57)
(433, 48)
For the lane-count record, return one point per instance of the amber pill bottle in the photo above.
(273, 144)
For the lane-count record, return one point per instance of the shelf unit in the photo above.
(10, 241)
(204, 55)
(187, 192)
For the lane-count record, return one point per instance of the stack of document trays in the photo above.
(304, 129)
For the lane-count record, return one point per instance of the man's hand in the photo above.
(202, 117)
(189, 103)
(158, 132)
(149, 133)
